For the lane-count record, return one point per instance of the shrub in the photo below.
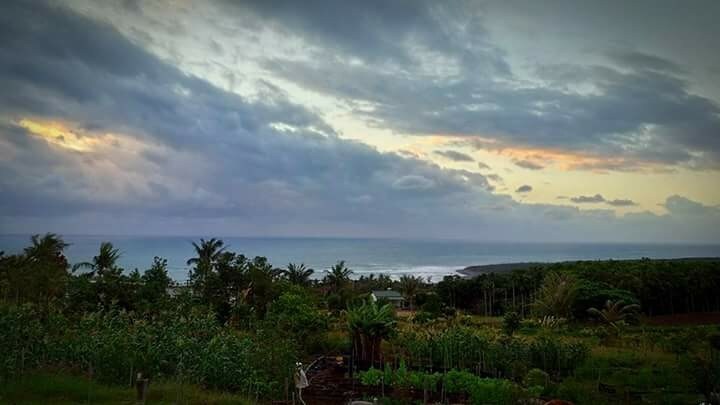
(511, 322)
(372, 377)
(536, 377)
(481, 390)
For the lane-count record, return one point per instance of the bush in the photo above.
(372, 377)
(536, 377)
(511, 322)
(21, 340)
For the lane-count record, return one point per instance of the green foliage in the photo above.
(104, 264)
(39, 275)
(536, 377)
(65, 389)
(372, 377)
(511, 322)
(480, 390)
(369, 323)
(154, 284)
(21, 340)
(298, 274)
(112, 346)
(297, 316)
(557, 357)
(242, 324)
(594, 294)
(615, 312)
(409, 287)
(556, 296)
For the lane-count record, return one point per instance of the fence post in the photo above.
(141, 385)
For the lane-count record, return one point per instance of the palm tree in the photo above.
(208, 252)
(49, 246)
(42, 273)
(105, 262)
(369, 324)
(556, 295)
(298, 274)
(614, 312)
(338, 276)
(409, 286)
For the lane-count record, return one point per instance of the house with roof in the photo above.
(389, 295)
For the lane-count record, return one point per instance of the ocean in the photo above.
(427, 258)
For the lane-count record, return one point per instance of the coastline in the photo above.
(474, 271)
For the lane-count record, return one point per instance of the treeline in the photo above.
(240, 324)
(658, 286)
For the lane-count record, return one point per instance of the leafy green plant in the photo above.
(614, 312)
(369, 324)
(556, 295)
(372, 377)
(511, 322)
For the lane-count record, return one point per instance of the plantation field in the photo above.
(642, 364)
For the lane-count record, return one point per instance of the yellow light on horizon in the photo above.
(59, 134)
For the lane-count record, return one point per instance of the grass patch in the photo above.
(46, 388)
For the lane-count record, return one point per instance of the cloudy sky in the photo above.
(506, 120)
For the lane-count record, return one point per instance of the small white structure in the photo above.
(392, 296)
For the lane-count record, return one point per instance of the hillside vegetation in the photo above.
(595, 332)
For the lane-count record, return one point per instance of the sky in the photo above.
(482, 120)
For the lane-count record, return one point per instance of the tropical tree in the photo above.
(338, 276)
(262, 287)
(369, 324)
(47, 247)
(614, 312)
(409, 287)
(208, 253)
(40, 274)
(155, 282)
(298, 274)
(556, 295)
(104, 263)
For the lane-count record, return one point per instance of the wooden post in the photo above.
(141, 385)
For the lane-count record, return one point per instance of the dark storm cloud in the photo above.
(207, 153)
(524, 189)
(642, 111)
(379, 31)
(455, 156)
(188, 157)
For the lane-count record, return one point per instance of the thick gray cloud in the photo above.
(204, 153)
(525, 188)
(172, 153)
(638, 106)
